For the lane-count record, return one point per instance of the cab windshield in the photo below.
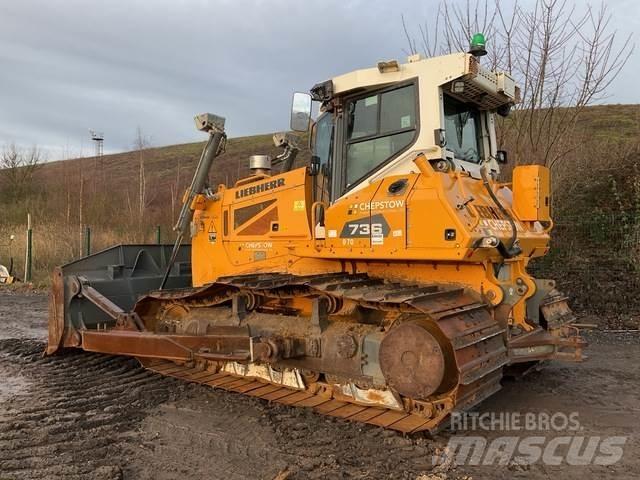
(463, 130)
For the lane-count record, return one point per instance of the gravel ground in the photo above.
(88, 416)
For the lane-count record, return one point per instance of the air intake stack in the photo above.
(260, 164)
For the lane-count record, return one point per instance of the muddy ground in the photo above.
(89, 416)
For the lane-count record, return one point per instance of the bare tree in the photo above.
(175, 190)
(141, 144)
(81, 210)
(18, 168)
(563, 57)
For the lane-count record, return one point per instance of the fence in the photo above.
(34, 252)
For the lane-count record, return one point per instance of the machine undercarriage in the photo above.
(399, 355)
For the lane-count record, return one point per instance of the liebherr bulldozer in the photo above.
(383, 282)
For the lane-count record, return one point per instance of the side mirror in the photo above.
(501, 156)
(300, 112)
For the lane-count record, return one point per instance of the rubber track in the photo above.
(83, 407)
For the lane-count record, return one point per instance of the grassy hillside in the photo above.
(104, 194)
(165, 164)
(168, 171)
(613, 122)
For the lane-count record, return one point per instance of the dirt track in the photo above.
(82, 415)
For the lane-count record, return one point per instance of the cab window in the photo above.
(379, 126)
(463, 130)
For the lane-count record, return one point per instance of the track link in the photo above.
(476, 343)
(319, 401)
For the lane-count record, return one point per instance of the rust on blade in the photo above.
(312, 401)
(56, 312)
(238, 384)
(329, 406)
(223, 379)
(250, 386)
(202, 375)
(410, 423)
(295, 397)
(367, 414)
(317, 398)
(163, 368)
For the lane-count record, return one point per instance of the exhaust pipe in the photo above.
(260, 164)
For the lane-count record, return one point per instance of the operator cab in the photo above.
(374, 122)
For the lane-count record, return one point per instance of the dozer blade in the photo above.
(89, 293)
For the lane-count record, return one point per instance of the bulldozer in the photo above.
(384, 281)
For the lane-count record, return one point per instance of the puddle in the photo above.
(10, 386)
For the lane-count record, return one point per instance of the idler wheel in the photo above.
(412, 360)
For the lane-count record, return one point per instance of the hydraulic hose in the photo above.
(512, 249)
(198, 183)
(287, 158)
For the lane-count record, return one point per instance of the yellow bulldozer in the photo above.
(384, 282)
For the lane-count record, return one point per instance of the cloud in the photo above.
(68, 65)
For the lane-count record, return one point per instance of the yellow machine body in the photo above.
(403, 236)
(384, 282)
(408, 220)
(531, 193)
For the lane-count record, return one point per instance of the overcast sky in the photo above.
(70, 65)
